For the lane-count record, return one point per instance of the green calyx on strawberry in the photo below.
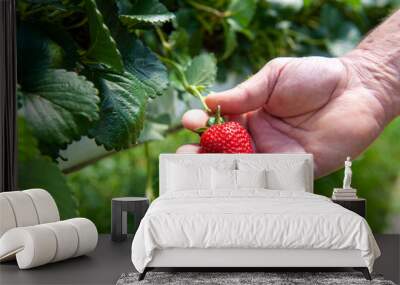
(224, 137)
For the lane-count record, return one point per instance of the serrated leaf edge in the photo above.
(87, 82)
(135, 129)
(108, 33)
(148, 19)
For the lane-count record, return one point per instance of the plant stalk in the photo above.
(149, 191)
(209, 9)
(189, 88)
(79, 24)
(194, 91)
(164, 42)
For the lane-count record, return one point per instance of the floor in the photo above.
(110, 260)
(102, 266)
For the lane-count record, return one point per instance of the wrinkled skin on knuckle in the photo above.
(378, 78)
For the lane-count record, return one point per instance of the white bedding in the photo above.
(250, 219)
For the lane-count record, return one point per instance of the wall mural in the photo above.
(102, 86)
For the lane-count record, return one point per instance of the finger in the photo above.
(252, 93)
(194, 119)
(188, 148)
(241, 119)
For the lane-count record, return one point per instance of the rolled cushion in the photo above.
(37, 245)
(45, 205)
(66, 238)
(7, 218)
(87, 234)
(33, 246)
(26, 208)
(23, 208)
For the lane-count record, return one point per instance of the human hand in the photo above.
(330, 107)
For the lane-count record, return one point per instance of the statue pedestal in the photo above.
(351, 190)
(344, 194)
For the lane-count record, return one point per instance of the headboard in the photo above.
(210, 159)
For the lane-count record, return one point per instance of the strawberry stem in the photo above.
(194, 91)
(218, 119)
(191, 89)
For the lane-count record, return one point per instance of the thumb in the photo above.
(250, 94)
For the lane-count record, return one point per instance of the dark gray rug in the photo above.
(268, 278)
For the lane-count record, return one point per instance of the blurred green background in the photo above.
(242, 42)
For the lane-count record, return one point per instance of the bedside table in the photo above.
(120, 207)
(358, 205)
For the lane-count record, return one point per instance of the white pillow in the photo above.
(251, 178)
(182, 177)
(281, 174)
(223, 179)
(292, 179)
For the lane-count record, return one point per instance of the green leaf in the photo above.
(234, 26)
(123, 104)
(37, 171)
(33, 54)
(294, 5)
(143, 64)
(164, 109)
(307, 3)
(342, 35)
(137, 58)
(143, 13)
(355, 4)
(103, 48)
(230, 41)
(242, 11)
(153, 131)
(57, 107)
(202, 70)
(124, 95)
(161, 114)
(200, 130)
(27, 143)
(69, 49)
(343, 45)
(179, 40)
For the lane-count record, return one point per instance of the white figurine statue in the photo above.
(347, 174)
(347, 192)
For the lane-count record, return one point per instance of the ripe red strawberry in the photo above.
(228, 137)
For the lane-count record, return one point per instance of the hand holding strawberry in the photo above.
(323, 106)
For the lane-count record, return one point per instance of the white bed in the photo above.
(215, 224)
